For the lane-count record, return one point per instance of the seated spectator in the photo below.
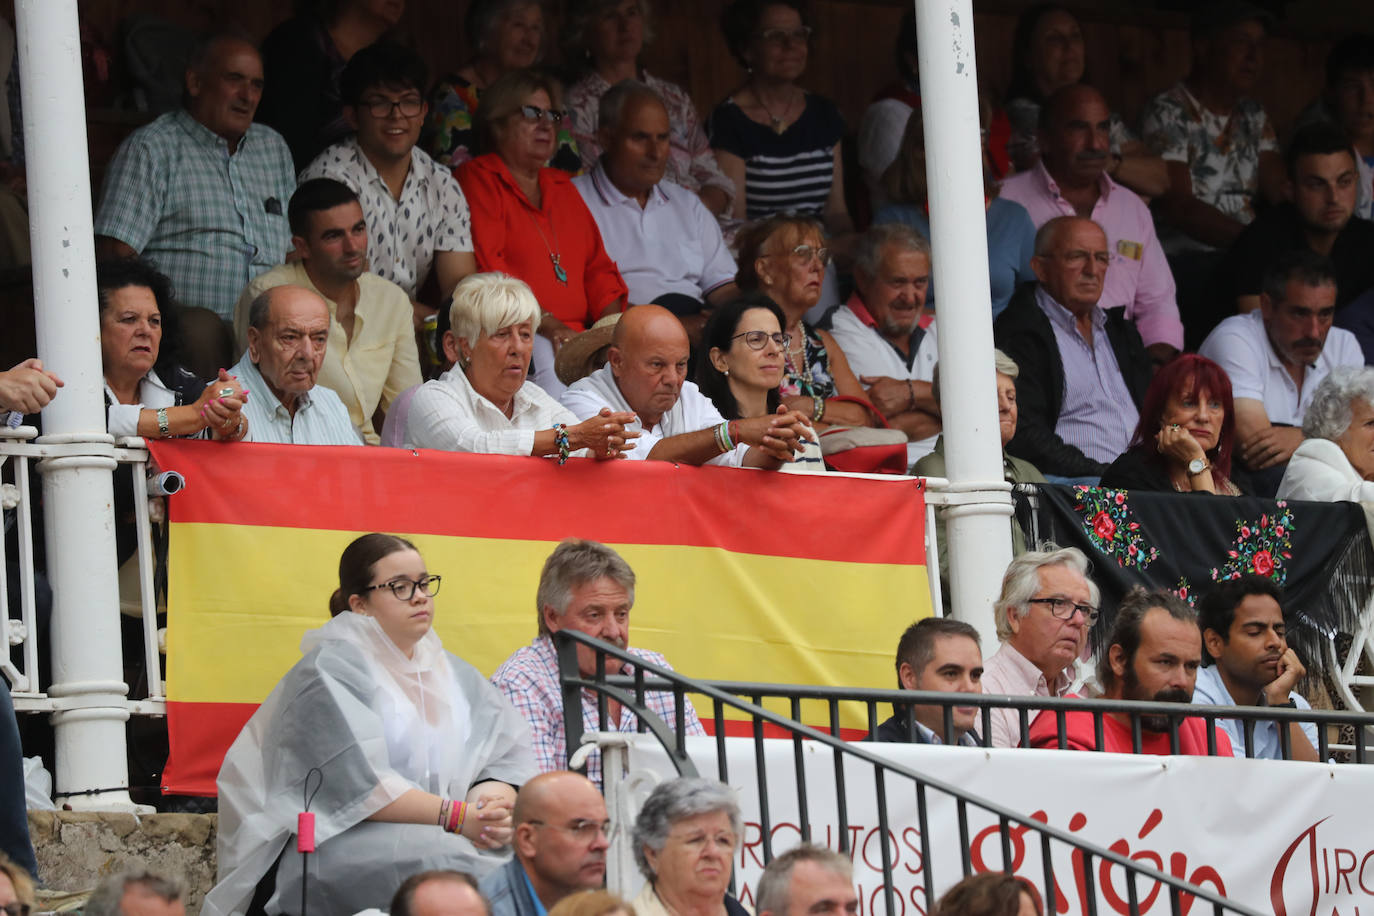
(28, 387)
(398, 417)
(741, 367)
(1185, 435)
(420, 755)
(666, 244)
(1347, 101)
(608, 37)
(137, 890)
(685, 837)
(1249, 663)
(943, 655)
(587, 587)
(1084, 370)
(1153, 653)
(485, 403)
(371, 357)
(417, 218)
(1335, 461)
(807, 879)
(1323, 185)
(888, 116)
(1218, 143)
(883, 333)
(777, 142)
(990, 893)
(302, 59)
(1047, 606)
(1014, 470)
(592, 903)
(147, 392)
(784, 258)
(1011, 234)
(288, 331)
(560, 841)
(169, 196)
(1276, 356)
(512, 192)
(1048, 55)
(439, 892)
(646, 375)
(502, 35)
(1071, 179)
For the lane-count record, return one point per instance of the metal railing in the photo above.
(19, 453)
(631, 693)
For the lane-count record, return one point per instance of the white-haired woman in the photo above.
(685, 841)
(485, 403)
(1336, 459)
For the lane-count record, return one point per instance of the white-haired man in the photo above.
(808, 881)
(1043, 615)
(587, 587)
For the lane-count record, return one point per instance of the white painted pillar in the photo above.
(77, 481)
(977, 531)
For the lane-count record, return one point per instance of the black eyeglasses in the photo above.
(1064, 608)
(758, 339)
(535, 113)
(585, 831)
(404, 589)
(382, 108)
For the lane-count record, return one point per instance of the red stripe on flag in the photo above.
(199, 735)
(492, 496)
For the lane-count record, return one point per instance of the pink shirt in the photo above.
(1139, 277)
(1007, 672)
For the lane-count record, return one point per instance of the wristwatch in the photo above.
(1197, 466)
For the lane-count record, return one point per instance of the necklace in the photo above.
(554, 256)
(777, 122)
(792, 358)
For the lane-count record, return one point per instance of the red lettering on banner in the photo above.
(750, 848)
(1276, 883)
(746, 896)
(918, 900)
(854, 832)
(875, 898)
(773, 834)
(1344, 871)
(892, 845)
(915, 846)
(1364, 863)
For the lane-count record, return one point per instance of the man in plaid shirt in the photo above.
(588, 587)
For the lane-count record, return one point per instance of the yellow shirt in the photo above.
(372, 368)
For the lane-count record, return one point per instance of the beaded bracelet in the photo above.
(820, 408)
(560, 438)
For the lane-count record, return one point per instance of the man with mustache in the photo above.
(1073, 179)
(371, 357)
(1251, 664)
(587, 587)
(1276, 356)
(1153, 653)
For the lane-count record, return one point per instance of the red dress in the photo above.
(1116, 737)
(510, 235)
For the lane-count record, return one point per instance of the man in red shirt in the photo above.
(1153, 654)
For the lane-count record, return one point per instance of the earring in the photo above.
(727, 373)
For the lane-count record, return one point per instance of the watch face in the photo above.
(1196, 466)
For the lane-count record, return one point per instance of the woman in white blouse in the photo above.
(486, 403)
(147, 392)
(1335, 462)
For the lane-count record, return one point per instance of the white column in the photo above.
(77, 483)
(977, 531)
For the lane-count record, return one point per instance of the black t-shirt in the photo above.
(1278, 231)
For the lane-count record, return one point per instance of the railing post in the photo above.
(572, 695)
(88, 677)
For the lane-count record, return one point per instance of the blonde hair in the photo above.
(591, 903)
(486, 303)
(507, 95)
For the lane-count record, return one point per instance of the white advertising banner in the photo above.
(1292, 839)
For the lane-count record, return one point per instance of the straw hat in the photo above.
(574, 359)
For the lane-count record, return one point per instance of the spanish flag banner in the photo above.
(741, 575)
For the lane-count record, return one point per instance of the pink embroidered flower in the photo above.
(1262, 563)
(1103, 526)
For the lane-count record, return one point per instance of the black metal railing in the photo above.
(632, 691)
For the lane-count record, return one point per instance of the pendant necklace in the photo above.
(554, 256)
(779, 123)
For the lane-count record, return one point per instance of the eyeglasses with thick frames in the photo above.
(382, 108)
(758, 339)
(404, 589)
(1064, 608)
(535, 113)
(803, 253)
(584, 831)
(785, 36)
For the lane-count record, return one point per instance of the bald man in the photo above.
(439, 893)
(647, 373)
(560, 842)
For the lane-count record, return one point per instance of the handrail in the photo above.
(574, 682)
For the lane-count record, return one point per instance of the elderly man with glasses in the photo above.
(1043, 615)
(560, 842)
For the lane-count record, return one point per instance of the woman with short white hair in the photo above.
(1335, 462)
(486, 403)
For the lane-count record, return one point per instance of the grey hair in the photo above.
(485, 303)
(1022, 581)
(775, 885)
(1048, 234)
(673, 801)
(576, 562)
(1329, 414)
(106, 899)
(485, 15)
(1302, 266)
(260, 309)
(1001, 363)
(613, 103)
(870, 251)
